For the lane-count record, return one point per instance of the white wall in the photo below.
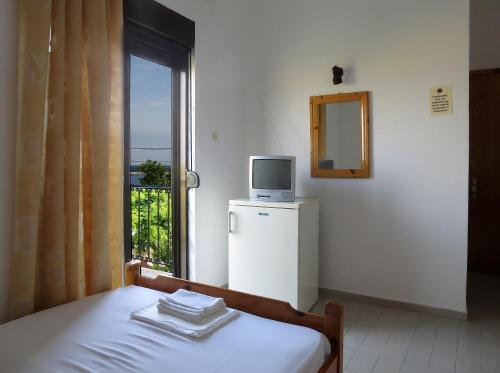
(218, 130)
(399, 235)
(402, 234)
(8, 71)
(484, 34)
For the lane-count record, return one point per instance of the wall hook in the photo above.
(338, 72)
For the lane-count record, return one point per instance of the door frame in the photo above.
(156, 33)
(470, 263)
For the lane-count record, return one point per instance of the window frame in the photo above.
(157, 34)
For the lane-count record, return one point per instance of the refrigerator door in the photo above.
(263, 257)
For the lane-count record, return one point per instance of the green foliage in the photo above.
(155, 174)
(155, 228)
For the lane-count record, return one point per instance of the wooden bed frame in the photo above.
(330, 325)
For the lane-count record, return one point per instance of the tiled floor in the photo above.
(384, 340)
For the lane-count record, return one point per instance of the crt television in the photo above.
(272, 178)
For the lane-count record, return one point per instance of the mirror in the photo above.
(339, 135)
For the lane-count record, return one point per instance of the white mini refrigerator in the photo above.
(273, 250)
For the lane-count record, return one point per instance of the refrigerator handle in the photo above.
(229, 220)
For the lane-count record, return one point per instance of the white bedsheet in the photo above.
(96, 334)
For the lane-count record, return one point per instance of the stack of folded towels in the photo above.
(186, 312)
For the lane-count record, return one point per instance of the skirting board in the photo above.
(343, 295)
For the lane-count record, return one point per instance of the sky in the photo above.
(150, 111)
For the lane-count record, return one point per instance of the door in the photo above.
(263, 251)
(484, 172)
(156, 150)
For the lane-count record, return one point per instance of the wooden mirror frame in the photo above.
(315, 103)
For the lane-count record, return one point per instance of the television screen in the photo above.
(272, 174)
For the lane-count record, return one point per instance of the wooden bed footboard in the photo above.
(331, 324)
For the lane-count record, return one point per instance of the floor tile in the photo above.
(444, 357)
(491, 362)
(355, 337)
(442, 364)
(346, 362)
(448, 333)
(469, 358)
(363, 362)
(388, 365)
(414, 368)
(349, 352)
(425, 334)
(372, 347)
(395, 350)
(401, 335)
(418, 354)
(376, 340)
(466, 370)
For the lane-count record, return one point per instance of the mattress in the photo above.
(96, 334)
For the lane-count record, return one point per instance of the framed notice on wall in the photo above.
(441, 101)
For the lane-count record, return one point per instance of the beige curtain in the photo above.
(68, 217)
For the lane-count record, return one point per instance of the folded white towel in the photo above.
(191, 314)
(195, 301)
(165, 321)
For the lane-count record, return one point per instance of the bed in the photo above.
(96, 334)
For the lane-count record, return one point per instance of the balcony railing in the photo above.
(151, 215)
